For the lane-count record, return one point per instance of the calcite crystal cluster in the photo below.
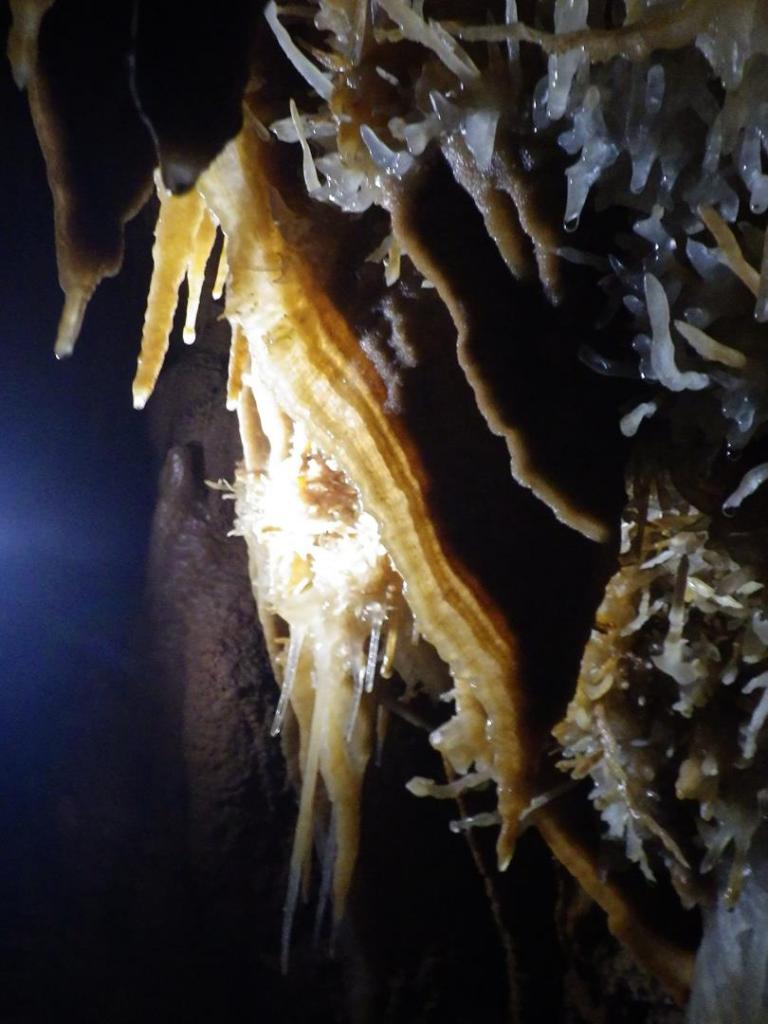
(484, 266)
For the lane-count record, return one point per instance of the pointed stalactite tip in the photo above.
(71, 321)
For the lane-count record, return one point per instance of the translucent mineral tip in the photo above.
(75, 305)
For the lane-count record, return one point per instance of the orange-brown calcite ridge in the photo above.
(304, 353)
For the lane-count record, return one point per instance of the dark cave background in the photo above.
(77, 486)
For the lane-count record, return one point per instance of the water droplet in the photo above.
(571, 224)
